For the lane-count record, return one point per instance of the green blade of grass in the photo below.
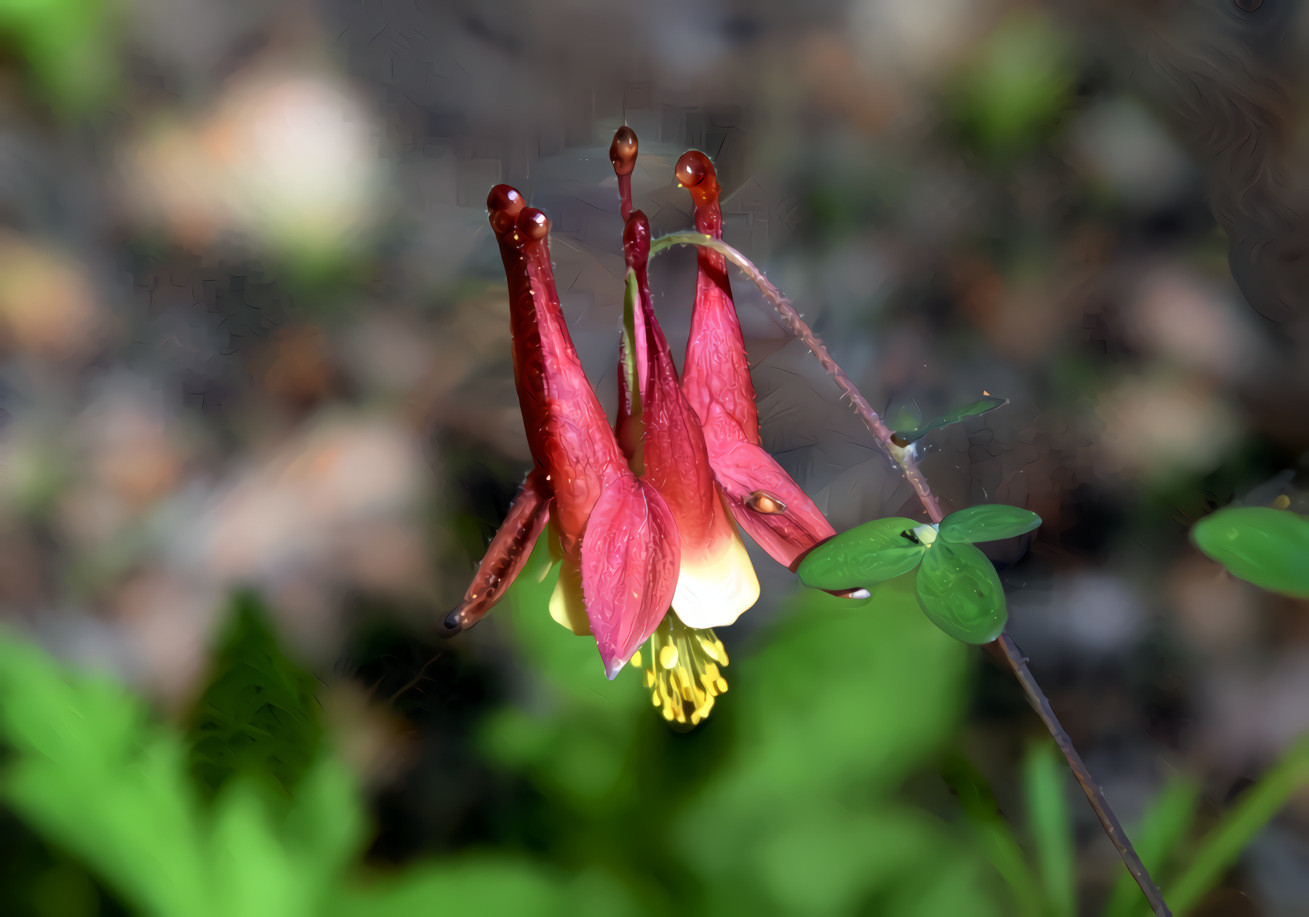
(994, 835)
(1239, 825)
(1162, 829)
(1051, 825)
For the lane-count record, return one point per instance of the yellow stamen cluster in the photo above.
(684, 673)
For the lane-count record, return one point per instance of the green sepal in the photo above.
(960, 592)
(1268, 547)
(988, 523)
(631, 429)
(866, 555)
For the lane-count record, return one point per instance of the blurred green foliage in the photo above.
(68, 47)
(787, 802)
(258, 717)
(1008, 97)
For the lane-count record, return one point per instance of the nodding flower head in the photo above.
(641, 514)
(618, 542)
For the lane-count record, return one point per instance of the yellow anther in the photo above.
(668, 655)
(684, 672)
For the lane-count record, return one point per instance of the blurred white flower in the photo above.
(285, 158)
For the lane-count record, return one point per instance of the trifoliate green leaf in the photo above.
(988, 523)
(960, 593)
(866, 555)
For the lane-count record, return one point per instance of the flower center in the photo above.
(684, 672)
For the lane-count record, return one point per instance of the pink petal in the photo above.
(768, 504)
(629, 567)
(717, 581)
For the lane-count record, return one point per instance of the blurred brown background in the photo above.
(253, 330)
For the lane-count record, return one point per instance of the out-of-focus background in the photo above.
(254, 355)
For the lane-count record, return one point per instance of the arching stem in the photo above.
(1004, 647)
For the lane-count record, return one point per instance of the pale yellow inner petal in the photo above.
(713, 591)
(566, 603)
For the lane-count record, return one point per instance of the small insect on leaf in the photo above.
(866, 555)
(960, 592)
(1267, 547)
(988, 523)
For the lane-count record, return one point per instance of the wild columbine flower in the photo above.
(617, 540)
(717, 581)
(767, 503)
(639, 516)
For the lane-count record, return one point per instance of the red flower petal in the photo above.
(717, 581)
(567, 430)
(766, 502)
(629, 567)
(506, 554)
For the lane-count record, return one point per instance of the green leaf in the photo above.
(1050, 820)
(988, 523)
(866, 555)
(89, 771)
(960, 593)
(258, 716)
(989, 403)
(1268, 547)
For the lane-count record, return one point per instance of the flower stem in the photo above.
(905, 457)
(1017, 663)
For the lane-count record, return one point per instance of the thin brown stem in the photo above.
(1017, 664)
(905, 457)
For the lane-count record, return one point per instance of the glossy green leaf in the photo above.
(989, 403)
(866, 555)
(960, 592)
(1268, 547)
(988, 523)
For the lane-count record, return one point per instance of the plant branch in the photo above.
(905, 457)
(1007, 650)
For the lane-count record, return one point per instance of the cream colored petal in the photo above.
(566, 603)
(713, 591)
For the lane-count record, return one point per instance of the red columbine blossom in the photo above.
(767, 503)
(639, 516)
(617, 539)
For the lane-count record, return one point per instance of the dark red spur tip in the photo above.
(454, 622)
(504, 203)
(534, 224)
(622, 152)
(636, 240)
(693, 168)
